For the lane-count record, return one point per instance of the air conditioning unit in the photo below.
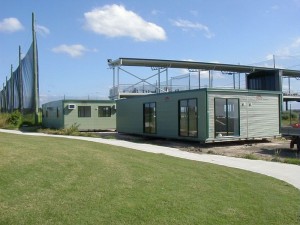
(71, 106)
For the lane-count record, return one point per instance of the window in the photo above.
(104, 111)
(84, 111)
(188, 118)
(227, 117)
(150, 118)
(57, 112)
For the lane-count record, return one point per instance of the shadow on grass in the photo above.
(175, 143)
(26, 129)
(280, 152)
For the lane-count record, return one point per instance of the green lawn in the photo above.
(45, 180)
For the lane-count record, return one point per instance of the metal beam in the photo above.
(197, 65)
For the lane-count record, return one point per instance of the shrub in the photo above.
(28, 119)
(15, 119)
(3, 120)
(11, 120)
(72, 130)
(286, 115)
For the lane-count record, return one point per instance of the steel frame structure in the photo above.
(162, 66)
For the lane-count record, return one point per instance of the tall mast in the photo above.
(20, 82)
(12, 88)
(6, 95)
(35, 72)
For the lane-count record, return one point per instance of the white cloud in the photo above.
(287, 51)
(204, 74)
(72, 50)
(42, 30)
(296, 43)
(116, 21)
(155, 12)
(186, 25)
(10, 25)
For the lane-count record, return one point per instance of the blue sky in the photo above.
(76, 37)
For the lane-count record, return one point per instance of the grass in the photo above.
(288, 122)
(46, 180)
(251, 156)
(292, 161)
(288, 118)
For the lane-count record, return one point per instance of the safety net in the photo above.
(19, 91)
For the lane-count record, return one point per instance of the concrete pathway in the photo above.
(286, 172)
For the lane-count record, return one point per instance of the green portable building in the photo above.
(88, 115)
(205, 115)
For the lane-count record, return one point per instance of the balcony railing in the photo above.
(126, 90)
(292, 93)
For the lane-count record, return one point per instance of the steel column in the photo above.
(199, 72)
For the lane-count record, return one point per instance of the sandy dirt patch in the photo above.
(255, 149)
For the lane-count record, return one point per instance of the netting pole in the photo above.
(20, 82)
(12, 88)
(4, 98)
(6, 95)
(35, 73)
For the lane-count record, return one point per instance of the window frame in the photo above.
(107, 112)
(187, 114)
(84, 113)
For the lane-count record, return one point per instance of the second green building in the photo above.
(88, 115)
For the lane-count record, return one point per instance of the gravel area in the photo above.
(256, 149)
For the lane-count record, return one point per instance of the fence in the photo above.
(20, 92)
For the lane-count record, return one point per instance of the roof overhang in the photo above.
(159, 63)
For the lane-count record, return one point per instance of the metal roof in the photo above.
(159, 63)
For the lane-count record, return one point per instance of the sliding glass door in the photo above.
(188, 118)
(227, 117)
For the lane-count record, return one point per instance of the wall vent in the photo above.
(71, 106)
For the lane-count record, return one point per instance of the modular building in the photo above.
(86, 114)
(205, 115)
